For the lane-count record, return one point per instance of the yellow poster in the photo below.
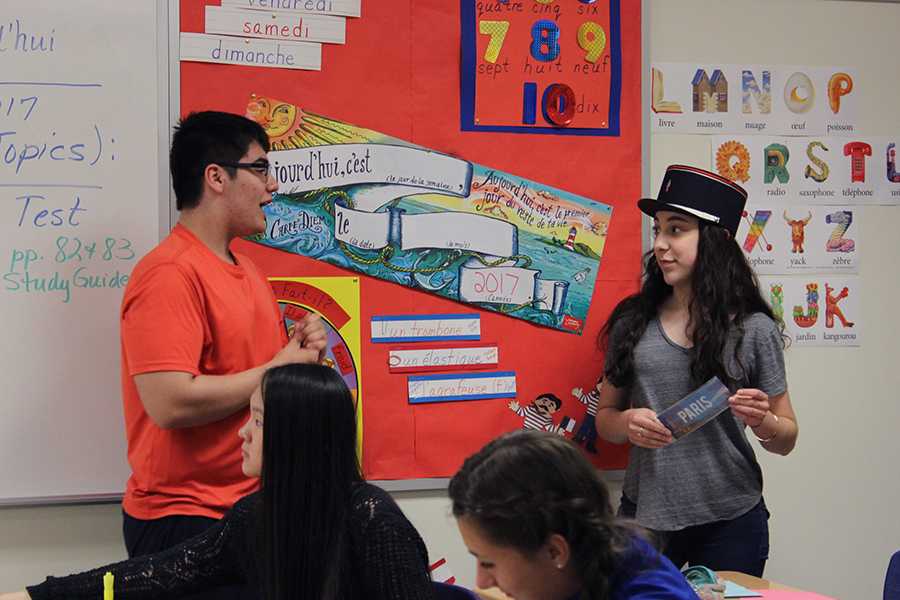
(336, 300)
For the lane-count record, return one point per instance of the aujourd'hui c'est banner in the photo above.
(390, 209)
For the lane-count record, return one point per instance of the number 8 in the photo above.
(545, 33)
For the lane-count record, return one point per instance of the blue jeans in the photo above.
(739, 544)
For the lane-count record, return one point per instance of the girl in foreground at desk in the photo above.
(699, 314)
(315, 530)
(536, 516)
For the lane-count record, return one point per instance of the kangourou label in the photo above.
(817, 309)
(378, 205)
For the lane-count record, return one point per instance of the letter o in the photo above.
(558, 104)
(799, 94)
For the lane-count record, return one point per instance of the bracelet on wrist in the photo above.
(774, 432)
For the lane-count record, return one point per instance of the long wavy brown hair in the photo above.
(724, 291)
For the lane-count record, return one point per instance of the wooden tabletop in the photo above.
(491, 594)
(748, 581)
(751, 582)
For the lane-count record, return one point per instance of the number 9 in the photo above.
(592, 39)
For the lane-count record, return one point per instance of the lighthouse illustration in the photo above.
(570, 243)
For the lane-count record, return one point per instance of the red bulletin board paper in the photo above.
(399, 73)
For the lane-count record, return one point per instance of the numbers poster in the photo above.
(552, 67)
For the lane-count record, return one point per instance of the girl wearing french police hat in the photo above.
(699, 313)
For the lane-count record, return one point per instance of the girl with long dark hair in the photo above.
(537, 517)
(699, 313)
(315, 530)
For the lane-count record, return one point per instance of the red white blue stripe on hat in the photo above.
(697, 213)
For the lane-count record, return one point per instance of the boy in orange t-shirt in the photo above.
(199, 327)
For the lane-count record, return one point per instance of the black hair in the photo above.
(527, 485)
(724, 291)
(204, 138)
(309, 470)
(551, 396)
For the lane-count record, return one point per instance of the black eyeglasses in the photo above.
(261, 167)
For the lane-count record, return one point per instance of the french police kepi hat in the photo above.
(700, 193)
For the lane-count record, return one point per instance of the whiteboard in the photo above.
(84, 130)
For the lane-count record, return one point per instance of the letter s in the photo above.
(12, 283)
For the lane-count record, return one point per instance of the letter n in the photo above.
(750, 87)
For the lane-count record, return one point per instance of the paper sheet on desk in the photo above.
(791, 595)
(733, 590)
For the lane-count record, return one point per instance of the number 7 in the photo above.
(33, 100)
(497, 30)
(515, 279)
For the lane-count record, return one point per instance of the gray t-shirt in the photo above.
(711, 474)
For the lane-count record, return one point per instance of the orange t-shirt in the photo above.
(187, 310)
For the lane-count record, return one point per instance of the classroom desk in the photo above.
(752, 583)
(491, 594)
(748, 581)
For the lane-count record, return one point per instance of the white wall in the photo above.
(56, 540)
(835, 499)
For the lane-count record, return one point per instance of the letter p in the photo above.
(23, 257)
